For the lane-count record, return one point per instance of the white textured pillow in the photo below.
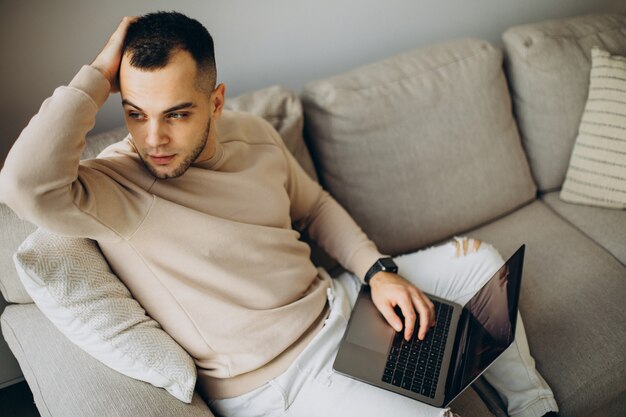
(72, 284)
(597, 171)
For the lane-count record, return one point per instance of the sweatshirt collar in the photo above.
(215, 159)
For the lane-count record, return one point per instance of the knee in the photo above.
(464, 246)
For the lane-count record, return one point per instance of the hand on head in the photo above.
(108, 61)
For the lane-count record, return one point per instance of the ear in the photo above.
(217, 100)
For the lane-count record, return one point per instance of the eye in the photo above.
(135, 115)
(176, 115)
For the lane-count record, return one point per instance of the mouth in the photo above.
(161, 159)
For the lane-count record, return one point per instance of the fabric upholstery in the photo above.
(421, 145)
(14, 231)
(572, 299)
(596, 174)
(548, 66)
(604, 226)
(66, 381)
(282, 108)
(72, 284)
(97, 142)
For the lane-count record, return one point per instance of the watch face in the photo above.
(388, 264)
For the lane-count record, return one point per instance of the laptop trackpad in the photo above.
(368, 327)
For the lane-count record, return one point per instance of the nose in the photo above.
(156, 135)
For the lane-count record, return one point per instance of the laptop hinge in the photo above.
(456, 369)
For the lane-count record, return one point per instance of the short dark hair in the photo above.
(151, 40)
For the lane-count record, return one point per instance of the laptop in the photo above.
(465, 341)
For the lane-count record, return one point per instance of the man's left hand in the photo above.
(390, 290)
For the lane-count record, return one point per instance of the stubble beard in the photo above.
(185, 164)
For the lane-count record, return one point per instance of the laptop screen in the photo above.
(492, 317)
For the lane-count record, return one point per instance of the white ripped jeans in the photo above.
(309, 387)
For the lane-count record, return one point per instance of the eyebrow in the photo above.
(186, 105)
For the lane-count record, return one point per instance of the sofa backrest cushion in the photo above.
(282, 108)
(548, 66)
(421, 145)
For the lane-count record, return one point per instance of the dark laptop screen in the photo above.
(492, 317)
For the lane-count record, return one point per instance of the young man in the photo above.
(194, 212)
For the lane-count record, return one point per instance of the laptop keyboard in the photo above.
(415, 365)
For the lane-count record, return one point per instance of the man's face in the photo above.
(168, 116)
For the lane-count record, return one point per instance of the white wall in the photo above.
(258, 42)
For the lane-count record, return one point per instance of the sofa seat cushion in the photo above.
(548, 65)
(607, 227)
(421, 145)
(66, 381)
(572, 303)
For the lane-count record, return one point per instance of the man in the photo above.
(194, 212)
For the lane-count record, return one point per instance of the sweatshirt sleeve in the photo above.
(327, 222)
(42, 180)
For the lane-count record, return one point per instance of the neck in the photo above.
(211, 145)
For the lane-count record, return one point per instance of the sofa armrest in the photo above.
(67, 382)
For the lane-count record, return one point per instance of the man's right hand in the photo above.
(109, 59)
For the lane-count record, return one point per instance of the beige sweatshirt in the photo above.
(211, 255)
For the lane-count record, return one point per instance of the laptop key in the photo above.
(397, 379)
(406, 384)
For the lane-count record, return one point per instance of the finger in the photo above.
(426, 315)
(410, 317)
(390, 315)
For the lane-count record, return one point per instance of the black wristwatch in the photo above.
(383, 264)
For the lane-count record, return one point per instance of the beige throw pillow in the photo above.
(72, 284)
(597, 171)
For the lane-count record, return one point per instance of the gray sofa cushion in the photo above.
(572, 304)
(65, 381)
(606, 227)
(282, 108)
(548, 66)
(14, 231)
(421, 145)
(97, 142)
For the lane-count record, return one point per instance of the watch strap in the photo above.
(383, 264)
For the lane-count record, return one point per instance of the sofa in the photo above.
(458, 138)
